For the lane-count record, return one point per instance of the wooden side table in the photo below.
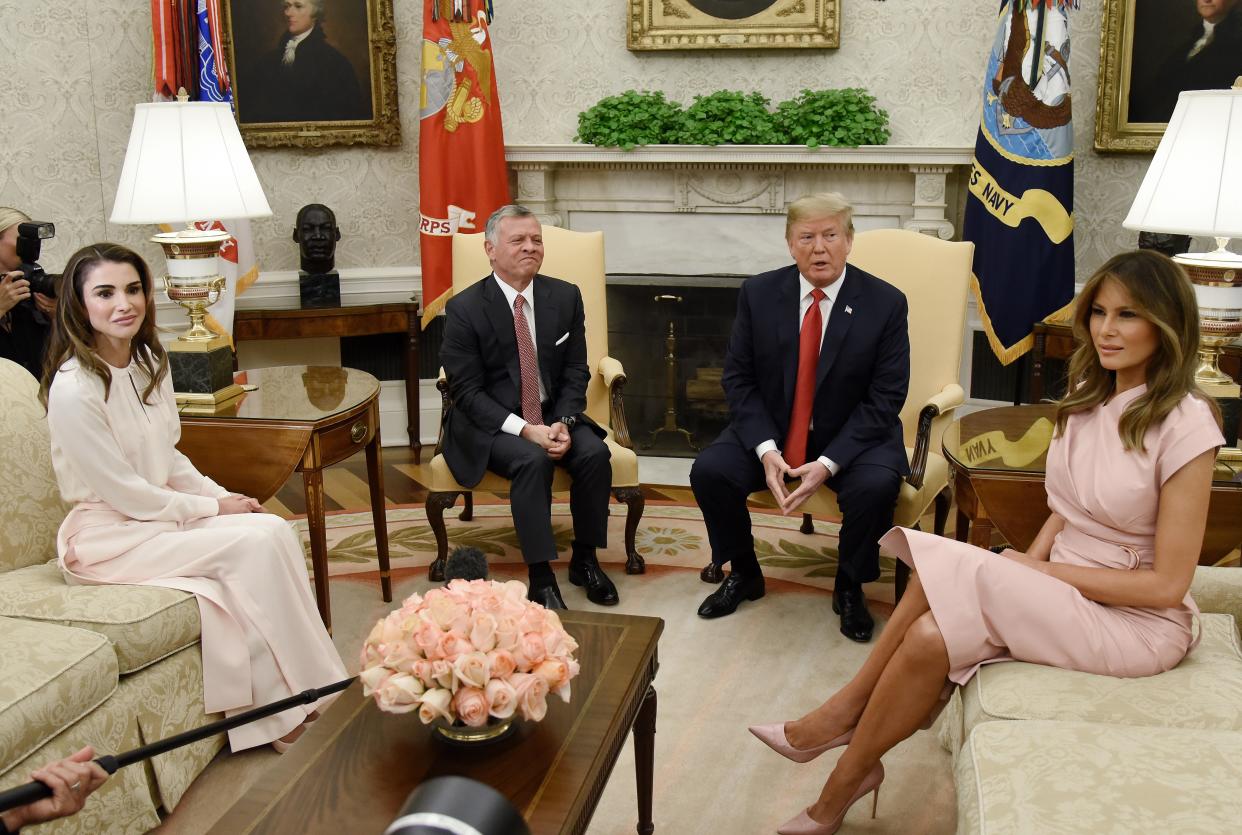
(1009, 496)
(368, 320)
(1056, 341)
(298, 419)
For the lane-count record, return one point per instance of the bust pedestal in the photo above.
(319, 289)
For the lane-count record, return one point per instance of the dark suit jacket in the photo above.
(320, 85)
(480, 357)
(861, 380)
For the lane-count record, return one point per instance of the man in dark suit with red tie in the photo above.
(514, 351)
(816, 374)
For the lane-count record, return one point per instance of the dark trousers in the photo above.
(725, 473)
(530, 470)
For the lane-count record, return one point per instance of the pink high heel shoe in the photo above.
(773, 736)
(804, 824)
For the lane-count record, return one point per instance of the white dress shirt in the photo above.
(1203, 41)
(825, 310)
(513, 423)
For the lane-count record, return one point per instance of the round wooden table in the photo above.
(998, 458)
(297, 418)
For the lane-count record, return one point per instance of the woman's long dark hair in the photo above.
(1161, 293)
(72, 336)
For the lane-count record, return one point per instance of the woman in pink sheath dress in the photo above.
(142, 514)
(1104, 587)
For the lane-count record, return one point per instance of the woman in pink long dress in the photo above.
(1104, 587)
(142, 514)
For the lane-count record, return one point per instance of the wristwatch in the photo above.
(569, 420)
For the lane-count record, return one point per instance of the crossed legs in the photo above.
(886, 701)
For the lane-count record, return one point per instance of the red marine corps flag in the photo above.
(461, 157)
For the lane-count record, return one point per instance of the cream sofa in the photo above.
(1038, 749)
(109, 666)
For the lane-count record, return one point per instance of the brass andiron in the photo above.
(670, 384)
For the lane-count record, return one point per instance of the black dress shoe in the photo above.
(856, 621)
(599, 589)
(711, 573)
(549, 596)
(736, 588)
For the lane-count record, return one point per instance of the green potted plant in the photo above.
(628, 120)
(729, 117)
(847, 117)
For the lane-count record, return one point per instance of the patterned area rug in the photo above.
(669, 535)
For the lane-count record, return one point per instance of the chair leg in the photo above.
(467, 512)
(808, 524)
(900, 581)
(436, 504)
(632, 497)
(943, 500)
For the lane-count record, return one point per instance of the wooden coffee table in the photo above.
(354, 768)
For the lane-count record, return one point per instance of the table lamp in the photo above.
(1194, 187)
(186, 162)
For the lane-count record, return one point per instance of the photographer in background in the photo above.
(25, 316)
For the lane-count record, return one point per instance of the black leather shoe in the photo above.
(736, 588)
(711, 573)
(549, 596)
(856, 621)
(599, 589)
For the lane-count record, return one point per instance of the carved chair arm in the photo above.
(614, 377)
(937, 410)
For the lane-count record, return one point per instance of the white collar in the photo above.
(297, 39)
(805, 287)
(511, 294)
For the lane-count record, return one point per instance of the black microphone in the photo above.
(34, 790)
(457, 806)
(465, 563)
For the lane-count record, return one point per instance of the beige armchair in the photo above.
(577, 257)
(934, 275)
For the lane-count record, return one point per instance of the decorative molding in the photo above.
(902, 155)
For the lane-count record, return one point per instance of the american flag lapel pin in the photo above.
(849, 309)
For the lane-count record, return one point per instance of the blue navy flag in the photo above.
(212, 79)
(1020, 207)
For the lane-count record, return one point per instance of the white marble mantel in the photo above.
(693, 210)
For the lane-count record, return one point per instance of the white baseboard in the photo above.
(392, 414)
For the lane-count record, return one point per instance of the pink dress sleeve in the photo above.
(1188, 432)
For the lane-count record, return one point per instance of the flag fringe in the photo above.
(1007, 354)
(433, 307)
(1051, 5)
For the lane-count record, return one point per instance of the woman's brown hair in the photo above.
(72, 336)
(1161, 293)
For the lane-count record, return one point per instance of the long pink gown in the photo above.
(143, 515)
(990, 608)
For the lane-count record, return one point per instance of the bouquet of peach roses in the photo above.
(473, 650)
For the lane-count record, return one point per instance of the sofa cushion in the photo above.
(144, 623)
(31, 509)
(1204, 691)
(1043, 776)
(53, 676)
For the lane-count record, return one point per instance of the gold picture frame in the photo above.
(1143, 64)
(656, 25)
(351, 65)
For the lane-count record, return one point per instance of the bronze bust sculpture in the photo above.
(316, 234)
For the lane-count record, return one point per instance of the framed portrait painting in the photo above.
(733, 24)
(310, 73)
(1153, 50)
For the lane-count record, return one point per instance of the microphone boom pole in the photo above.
(34, 790)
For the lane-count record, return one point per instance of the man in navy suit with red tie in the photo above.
(816, 374)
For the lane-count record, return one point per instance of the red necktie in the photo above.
(804, 391)
(531, 411)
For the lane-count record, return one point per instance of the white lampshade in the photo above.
(1194, 184)
(186, 162)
